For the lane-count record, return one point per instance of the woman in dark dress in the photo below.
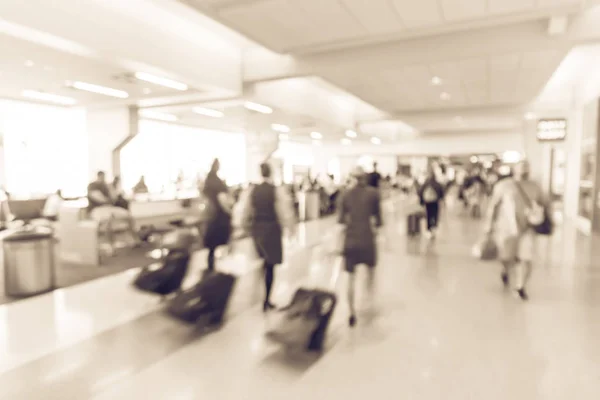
(360, 215)
(218, 224)
(268, 211)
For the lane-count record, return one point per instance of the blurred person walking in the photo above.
(359, 216)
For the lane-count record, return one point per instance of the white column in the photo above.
(107, 130)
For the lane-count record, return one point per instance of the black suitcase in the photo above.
(166, 276)
(414, 224)
(207, 299)
(321, 305)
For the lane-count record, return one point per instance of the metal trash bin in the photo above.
(28, 262)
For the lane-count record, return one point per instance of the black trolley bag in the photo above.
(414, 223)
(166, 276)
(207, 300)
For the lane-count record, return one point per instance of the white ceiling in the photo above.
(305, 25)
(348, 63)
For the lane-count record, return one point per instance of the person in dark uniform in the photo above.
(218, 225)
(268, 209)
(374, 177)
(360, 215)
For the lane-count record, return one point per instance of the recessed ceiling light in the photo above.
(208, 112)
(49, 97)
(346, 142)
(146, 90)
(316, 135)
(316, 142)
(530, 116)
(284, 136)
(106, 91)
(159, 116)
(157, 80)
(280, 128)
(436, 81)
(258, 107)
(445, 96)
(29, 63)
(375, 140)
(351, 134)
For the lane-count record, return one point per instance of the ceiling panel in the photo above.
(474, 70)
(415, 14)
(458, 10)
(508, 6)
(330, 19)
(505, 63)
(377, 16)
(545, 3)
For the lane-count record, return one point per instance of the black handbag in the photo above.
(546, 227)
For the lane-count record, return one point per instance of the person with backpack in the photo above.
(431, 194)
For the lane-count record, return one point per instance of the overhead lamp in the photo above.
(106, 91)
(29, 63)
(351, 134)
(48, 97)
(258, 107)
(284, 136)
(158, 116)
(530, 116)
(208, 112)
(157, 80)
(436, 81)
(316, 135)
(445, 96)
(280, 128)
(375, 140)
(316, 142)
(346, 142)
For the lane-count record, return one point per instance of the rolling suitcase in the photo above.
(164, 277)
(207, 299)
(414, 224)
(305, 320)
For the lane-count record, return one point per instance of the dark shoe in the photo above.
(505, 280)
(268, 306)
(352, 321)
(522, 294)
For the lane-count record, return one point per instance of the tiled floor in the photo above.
(440, 326)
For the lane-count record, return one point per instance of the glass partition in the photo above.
(174, 157)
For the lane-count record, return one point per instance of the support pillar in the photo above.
(108, 131)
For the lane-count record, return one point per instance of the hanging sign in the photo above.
(551, 130)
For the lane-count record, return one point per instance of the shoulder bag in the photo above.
(537, 215)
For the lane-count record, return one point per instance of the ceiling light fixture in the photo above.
(436, 81)
(375, 140)
(48, 97)
(258, 107)
(208, 112)
(346, 142)
(445, 96)
(157, 80)
(530, 116)
(284, 136)
(106, 91)
(351, 134)
(280, 128)
(159, 116)
(316, 135)
(316, 142)
(29, 63)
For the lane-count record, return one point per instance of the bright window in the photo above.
(45, 149)
(162, 152)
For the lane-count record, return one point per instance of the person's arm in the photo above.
(284, 206)
(493, 206)
(377, 210)
(342, 209)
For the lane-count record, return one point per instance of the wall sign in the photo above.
(551, 130)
